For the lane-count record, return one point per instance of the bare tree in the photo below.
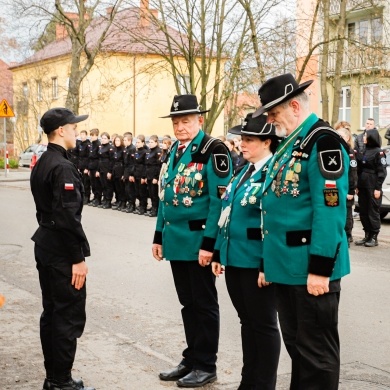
(81, 22)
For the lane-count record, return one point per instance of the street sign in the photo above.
(6, 110)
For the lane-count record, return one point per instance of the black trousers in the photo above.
(309, 328)
(195, 287)
(141, 193)
(130, 191)
(107, 186)
(63, 317)
(86, 184)
(349, 221)
(153, 193)
(95, 185)
(369, 210)
(119, 188)
(260, 337)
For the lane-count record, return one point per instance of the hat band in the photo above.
(193, 110)
(261, 132)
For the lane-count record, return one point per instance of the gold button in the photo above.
(168, 185)
(203, 226)
(265, 193)
(166, 204)
(264, 212)
(304, 239)
(266, 232)
(168, 223)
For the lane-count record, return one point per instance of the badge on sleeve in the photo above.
(69, 186)
(331, 197)
(383, 161)
(330, 158)
(221, 164)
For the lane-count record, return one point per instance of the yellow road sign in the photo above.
(6, 110)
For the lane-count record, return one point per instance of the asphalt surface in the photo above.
(134, 325)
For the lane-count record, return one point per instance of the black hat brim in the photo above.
(235, 130)
(269, 106)
(79, 118)
(182, 113)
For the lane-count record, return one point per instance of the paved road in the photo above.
(134, 324)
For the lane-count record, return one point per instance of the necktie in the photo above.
(247, 175)
(179, 152)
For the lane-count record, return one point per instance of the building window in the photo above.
(345, 104)
(370, 103)
(366, 32)
(25, 90)
(54, 87)
(39, 90)
(184, 83)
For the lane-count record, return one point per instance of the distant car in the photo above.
(385, 208)
(25, 158)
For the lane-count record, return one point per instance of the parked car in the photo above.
(385, 208)
(25, 157)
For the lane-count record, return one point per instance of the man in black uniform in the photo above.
(82, 164)
(60, 249)
(93, 165)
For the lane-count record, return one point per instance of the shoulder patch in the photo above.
(330, 157)
(353, 163)
(221, 164)
(383, 161)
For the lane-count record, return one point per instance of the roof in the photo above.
(125, 35)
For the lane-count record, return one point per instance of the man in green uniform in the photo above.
(305, 249)
(197, 172)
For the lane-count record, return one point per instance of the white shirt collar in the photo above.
(261, 163)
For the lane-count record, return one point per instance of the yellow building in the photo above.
(365, 75)
(127, 89)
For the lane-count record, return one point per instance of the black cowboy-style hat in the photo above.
(60, 116)
(255, 126)
(184, 105)
(277, 90)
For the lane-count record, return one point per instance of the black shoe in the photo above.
(107, 205)
(153, 212)
(363, 240)
(373, 241)
(102, 204)
(71, 384)
(197, 378)
(47, 383)
(130, 208)
(174, 374)
(140, 211)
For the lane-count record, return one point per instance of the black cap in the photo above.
(255, 126)
(277, 90)
(185, 105)
(60, 116)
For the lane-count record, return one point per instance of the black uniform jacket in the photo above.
(128, 160)
(116, 162)
(83, 154)
(153, 163)
(139, 163)
(372, 163)
(58, 194)
(93, 157)
(104, 157)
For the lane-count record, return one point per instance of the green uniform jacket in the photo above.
(190, 203)
(239, 241)
(304, 209)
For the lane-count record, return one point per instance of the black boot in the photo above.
(140, 211)
(153, 212)
(107, 205)
(130, 207)
(70, 384)
(363, 240)
(48, 381)
(373, 241)
(102, 204)
(122, 206)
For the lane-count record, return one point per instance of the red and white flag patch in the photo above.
(330, 183)
(69, 186)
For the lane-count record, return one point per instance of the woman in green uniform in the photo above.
(239, 250)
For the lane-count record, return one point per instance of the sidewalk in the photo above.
(20, 174)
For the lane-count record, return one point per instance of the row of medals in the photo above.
(184, 183)
(291, 179)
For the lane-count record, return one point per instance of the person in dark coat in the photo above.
(345, 133)
(104, 169)
(82, 163)
(61, 247)
(93, 165)
(128, 175)
(117, 172)
(139, 175)
(165, 148)
(153, 166)
(371, 174)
